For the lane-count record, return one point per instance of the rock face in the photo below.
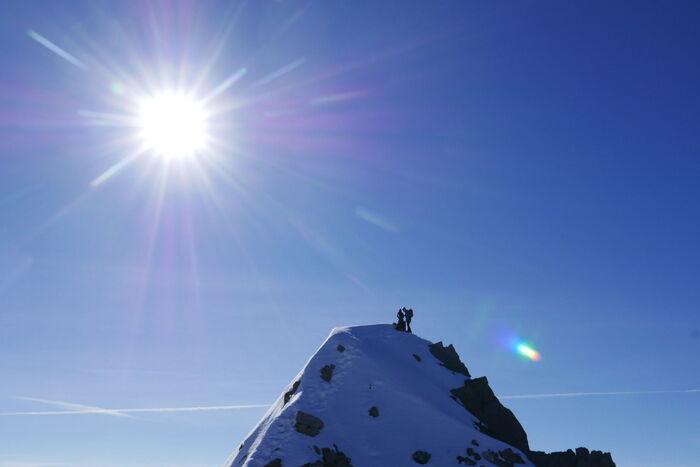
(449, 358)
(429, 413)
(288, 395)
(421, 457)
(327, 373)
(569, 458)
(331, 458)
(497, 421)
(308, 424)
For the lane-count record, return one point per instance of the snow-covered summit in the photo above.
(373, 396)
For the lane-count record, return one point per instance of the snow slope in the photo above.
(376, 369)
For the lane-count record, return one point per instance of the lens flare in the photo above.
(527, 351)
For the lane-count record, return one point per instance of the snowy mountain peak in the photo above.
(373, 396)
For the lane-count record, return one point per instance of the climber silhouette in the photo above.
(401, 325)
(409, 317)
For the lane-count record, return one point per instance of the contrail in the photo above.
(56, 49)
(123, 411)
(618, 393)
(376, 220)
(72, 406)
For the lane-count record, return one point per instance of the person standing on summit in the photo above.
(401, 325)
(409, 316)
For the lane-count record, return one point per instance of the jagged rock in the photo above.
(317, 449)
(569, 458)
(496, 420)
(494, 458)
(475, 442)
(374, 412)
(308, 424)
(421, 457)
(465, 460)
(511, 456)
(274, 463)
(327, 372)
(417, 357)
(473, 453)
(341, 348)
(331, 458)
(288, 395)
(449, 358)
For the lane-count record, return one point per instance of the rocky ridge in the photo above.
(422, 411)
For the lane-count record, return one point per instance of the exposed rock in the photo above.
(569, 458)
(475, 442)
(327, 372)
(421, 457)
(331, 458)
(496, 420)
(341, 348)
(473, 453)
(494, 458)
(417, 357)
(449, 358)
(465, 460)
(374, 412)
(511, 456)
(288, 395)
(308, 424)
(274, 463)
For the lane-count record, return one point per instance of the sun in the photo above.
(172, 125)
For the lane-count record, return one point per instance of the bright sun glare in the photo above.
(173, 125)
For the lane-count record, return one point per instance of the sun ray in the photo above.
(56, 49)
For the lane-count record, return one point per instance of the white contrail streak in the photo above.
(123, 411)
(72, 406)
(56, 49)
(617, 393)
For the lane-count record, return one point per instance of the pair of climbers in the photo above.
(405, 315)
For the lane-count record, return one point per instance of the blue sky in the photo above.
(519, 169)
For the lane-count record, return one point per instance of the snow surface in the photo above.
(378, 369)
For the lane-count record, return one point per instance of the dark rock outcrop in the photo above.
(569, 458)
(496, 420)
(465, 460)
(274, 463)
(374, 412)
(511, 456)
(331, 458)
(495, 459)
(449, 358)
(421, 457)
(327, 372)
(341, 348)
(417, 357)
(308, 424)
(288, 395)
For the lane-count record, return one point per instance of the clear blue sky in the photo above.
(527, 168)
